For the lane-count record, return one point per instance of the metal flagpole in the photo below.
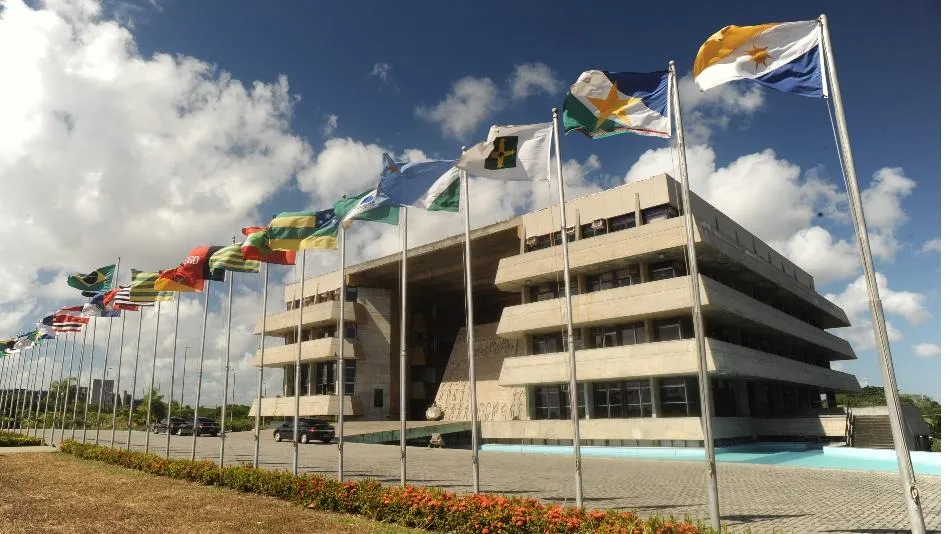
(709, 439)
(35, 383)
(42, 381)
(571, 357)
(227, 364)
(18, 402)
(151, 386)
(105, 358)
(92, 358)
(25, 383)
(296, 438)
(135, 375)
(904, 464)
(8, 388)
(171, 386)
(28, 390)
(65, 387)
(4, 372)
(470, 331)
(52, 371)
(260, 375)
(201, 364)
(403, 326)
(118, 378)
(341, 390)
(14, 381)
(82, 353)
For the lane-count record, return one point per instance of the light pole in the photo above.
(184, 366)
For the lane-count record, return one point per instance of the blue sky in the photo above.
(887, 62)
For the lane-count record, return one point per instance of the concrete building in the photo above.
(108, 397)
(769, 354)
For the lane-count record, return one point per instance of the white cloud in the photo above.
(533, 78)
(882, 201)
(344, 166)
(854, 301)
(330, 126)
(927, 350)
(381, 71)
(704, 112)
(467, 105)
(932, 245)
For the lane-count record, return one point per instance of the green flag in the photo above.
(98, 280)
(230, 258)
(366, 206)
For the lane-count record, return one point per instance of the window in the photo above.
(305, 379)
(350, 331)
(377, 398)
(326, 378)
(351, 294)
(309, 301)
(622, 222)
(672, 329)
(547, 402)
(633, 333)
(663, 270)
(557, 236)
(659, 213)
(628, 277)
(614, 400)
(537, 242)
(608, 400)
(349, 377)
(679, 397)
(604, 337)
(542, 292)
(598, 282)
(638, 399)
(547, 343)
(593, 229)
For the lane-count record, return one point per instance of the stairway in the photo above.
(872, 432)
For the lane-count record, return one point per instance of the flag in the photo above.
(602, 103)
(784, 56)
(96, 308)
(230, 258)
(45, 331)
(24, 341)
(142, 289)
(68, 309)
(297, 230)
(255, 247)
(511, 153)
(6, 346)
(120, 298)
(68, 323)
(366, 206)
(98, 280)
(431, 185)
(191, 274)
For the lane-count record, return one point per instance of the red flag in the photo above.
(191, 274)
(250, 252)
(66, 309)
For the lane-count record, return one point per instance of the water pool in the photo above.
(785, 454)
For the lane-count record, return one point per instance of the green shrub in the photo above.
(935, 445)
(411, 506)
(12, 439)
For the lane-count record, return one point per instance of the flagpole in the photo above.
(260, 375)
(26, 384)
(296, 437)
(135, 375)
(52, 371)
(118, 378)
(39, 394)
(14, 382)
(709, 436)
(403, 288)
(904, 464)
(4, 372)
(34, 384)
(92, 358)
(227, 363)
(28, 391)
(341, 391)
(571, 356)
(151, 386)
(470, 332)
(24, 374)
(62, 373)
(102, 383)
(171, 386)
(201, 365)
(82, 354)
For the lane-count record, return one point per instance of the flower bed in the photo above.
(411, 506)
(12, 439)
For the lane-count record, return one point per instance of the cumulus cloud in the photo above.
(927, 350)
(533, 78)
(330, 126)
(705, 112)
(932, 245)
(854, 301)
(467, 105)
(381, 71)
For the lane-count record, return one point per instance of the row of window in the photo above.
(678, 397)
(627, 276)
(324, 378)
(327, 296)
(614, 335)
(602, 226)
(320, 332)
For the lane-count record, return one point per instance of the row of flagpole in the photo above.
(829, 76)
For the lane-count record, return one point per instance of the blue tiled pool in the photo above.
(785, 454)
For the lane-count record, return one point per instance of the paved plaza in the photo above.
(760, 496)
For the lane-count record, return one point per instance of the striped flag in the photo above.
(120, 298)
(230, 258)
(142, 289)
(298, 230)
(68, 323)
(70, 309)
(255, 248)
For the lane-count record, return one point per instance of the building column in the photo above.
(644, 272)
(588, 399)
(742, 398)
(655, 395)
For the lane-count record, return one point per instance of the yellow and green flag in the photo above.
(142, 288)
(230, 258)
(98, 280)
(298, 230)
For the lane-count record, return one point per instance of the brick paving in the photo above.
(763, 497)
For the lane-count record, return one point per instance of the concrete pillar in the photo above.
(644, 272)
(742, 398)
(655, 395)
(588, 399)
(637, 210)
(312, 379)
(648, 329)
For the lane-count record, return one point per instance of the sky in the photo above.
(140, 129)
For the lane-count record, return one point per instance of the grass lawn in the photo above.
(54, 492)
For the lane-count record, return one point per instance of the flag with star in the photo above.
(98, 280)
(602, 103)
(511, 153)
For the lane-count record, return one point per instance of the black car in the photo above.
(162, 426)
(307, 430)
(206, 425)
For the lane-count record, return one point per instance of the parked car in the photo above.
(206, 425)
(162, 426)
(308, 429)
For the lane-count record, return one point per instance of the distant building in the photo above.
(769, 351)
(108, 396)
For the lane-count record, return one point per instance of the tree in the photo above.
(159, 408)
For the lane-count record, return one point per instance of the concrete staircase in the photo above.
(872, 432)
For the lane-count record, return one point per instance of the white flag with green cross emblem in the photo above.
(511, 153)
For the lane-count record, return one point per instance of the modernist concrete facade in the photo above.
(769, 352)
